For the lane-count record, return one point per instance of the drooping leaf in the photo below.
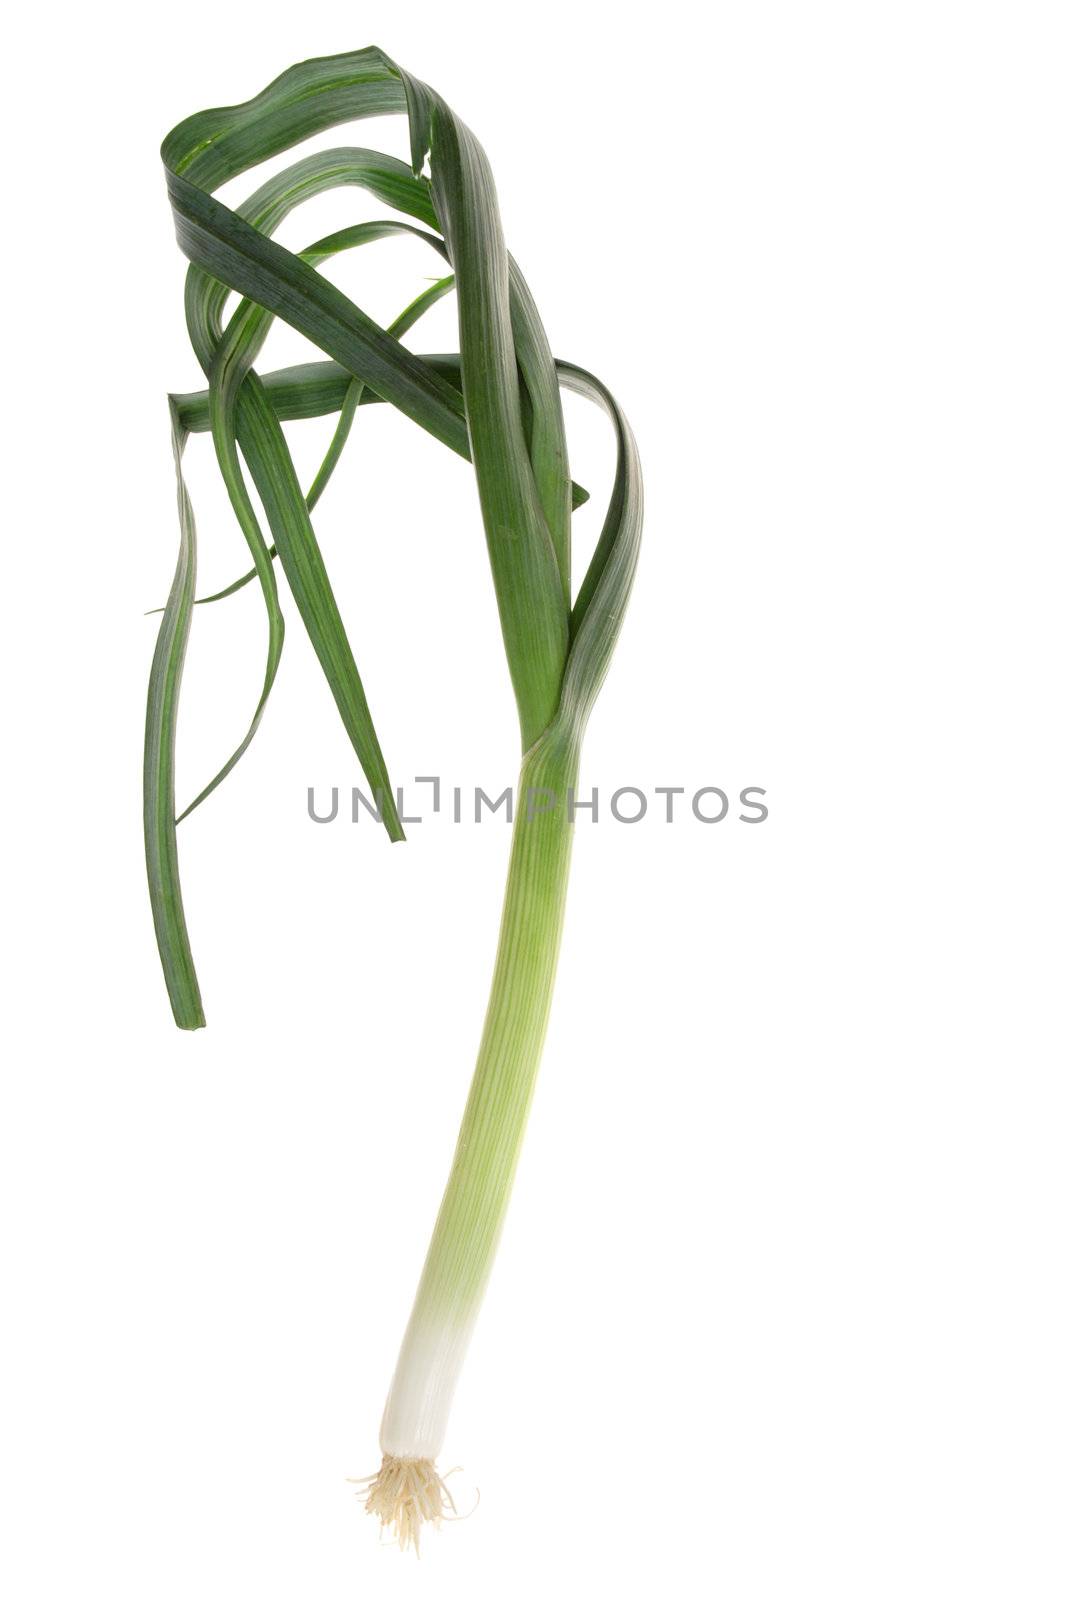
(496, 402)
(161, 845)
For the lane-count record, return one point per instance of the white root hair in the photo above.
(404, 1494)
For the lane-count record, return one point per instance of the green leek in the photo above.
(495, 401)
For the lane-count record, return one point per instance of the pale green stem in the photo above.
(472, 1212)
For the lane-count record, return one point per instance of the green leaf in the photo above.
(317, 389)
(530, 589)
(497, 402)
(524, 551)
(294, 537)
(353, 393)
(598, 611)
(161, 845)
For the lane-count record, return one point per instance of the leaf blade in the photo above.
(164, 687)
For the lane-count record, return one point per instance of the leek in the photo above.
(497, 402)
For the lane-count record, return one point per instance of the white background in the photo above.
(780, 1307)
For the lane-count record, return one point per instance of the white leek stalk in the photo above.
(408, 1490)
